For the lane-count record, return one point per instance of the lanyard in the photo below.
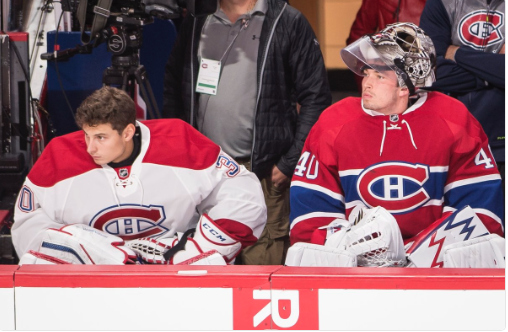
(245, 24)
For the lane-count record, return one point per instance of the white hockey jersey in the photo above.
(178, 175)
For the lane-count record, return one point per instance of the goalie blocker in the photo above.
(464, 236)
(82, 244)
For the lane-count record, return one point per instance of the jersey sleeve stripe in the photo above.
(480, 195)
(350, 172)
(449, 209)
(438, 169)
(434, 202)
(316, 187)
(465, 182)
(317, 215)
(304, 201)
(352, 204)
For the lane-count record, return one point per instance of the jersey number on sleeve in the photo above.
(481, 158)
(26, 200)
(227, 163)
(312, 172)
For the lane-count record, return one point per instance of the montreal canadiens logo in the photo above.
(396, 186)
(478, 32)
(131, 221)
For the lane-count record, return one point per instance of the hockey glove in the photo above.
(373, 235)
(189, 247)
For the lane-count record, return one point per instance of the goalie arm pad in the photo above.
(207, 237)
(78, 244)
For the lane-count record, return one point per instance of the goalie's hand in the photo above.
(190, 246)
(150, 250)
(373, 235)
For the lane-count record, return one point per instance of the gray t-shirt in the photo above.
(228, 117)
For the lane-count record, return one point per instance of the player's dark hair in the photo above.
(107, 105)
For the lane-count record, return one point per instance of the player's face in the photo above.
(380, 91)
(105, 145)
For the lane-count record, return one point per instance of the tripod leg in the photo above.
(147, 92)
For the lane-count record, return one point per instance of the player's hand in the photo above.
(502, 50)
(450, 52)
(207, 238)
(279, 180)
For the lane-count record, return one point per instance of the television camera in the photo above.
(120, 23)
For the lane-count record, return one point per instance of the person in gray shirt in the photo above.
(237, 76)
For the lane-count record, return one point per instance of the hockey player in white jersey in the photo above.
(123, 191)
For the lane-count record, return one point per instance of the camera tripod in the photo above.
(124, 42)
(124, 72)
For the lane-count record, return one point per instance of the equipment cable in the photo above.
(58, 71)
(27, 79)
(33, 114)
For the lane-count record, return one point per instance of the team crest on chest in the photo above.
(478, 31)
(396, 186)
(131, 221)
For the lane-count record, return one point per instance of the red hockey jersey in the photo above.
(432, 159)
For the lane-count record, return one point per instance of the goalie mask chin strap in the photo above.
(101, 11)
(405, 77)
(180, 245)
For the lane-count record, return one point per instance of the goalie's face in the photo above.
(381, 92)
(105, 144)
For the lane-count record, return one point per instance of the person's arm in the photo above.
(489, 67)
(453, 78)
(32, 217)
(173, 74)
(312, 91)
(236, 202)
(437, 25)
(473, 182)
(449, 76)
(460, 69)
(316, 195)
(473, 178)
(366, 21)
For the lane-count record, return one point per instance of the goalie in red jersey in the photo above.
(400, 176)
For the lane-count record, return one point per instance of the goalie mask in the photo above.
(401, 47)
